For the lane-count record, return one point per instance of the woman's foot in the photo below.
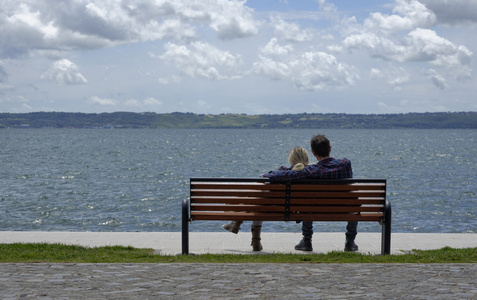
(233, 226)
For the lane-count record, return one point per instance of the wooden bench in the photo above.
(260, 199)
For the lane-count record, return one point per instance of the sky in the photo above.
(247, 57)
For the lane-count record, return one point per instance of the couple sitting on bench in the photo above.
(326, 168)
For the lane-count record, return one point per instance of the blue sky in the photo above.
(254, 57)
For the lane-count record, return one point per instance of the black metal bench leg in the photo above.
(185, 227)
(386, 230)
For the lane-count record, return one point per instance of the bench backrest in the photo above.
(310, 200)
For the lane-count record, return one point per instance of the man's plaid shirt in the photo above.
(328, 168)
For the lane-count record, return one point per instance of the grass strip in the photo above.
(60, 253)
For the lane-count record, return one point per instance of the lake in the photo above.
(135, 179)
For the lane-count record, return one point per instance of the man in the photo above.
(326, 168)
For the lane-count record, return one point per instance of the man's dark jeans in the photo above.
(351, 230)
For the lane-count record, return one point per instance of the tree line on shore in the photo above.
(192, 120)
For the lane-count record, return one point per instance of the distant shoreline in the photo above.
(445, 120)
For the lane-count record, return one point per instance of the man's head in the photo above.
(320, 146)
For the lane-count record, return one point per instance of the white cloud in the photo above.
(328, 7)
(64, 71)
(102, 101)
(147, 103)
(272, 68)
(392, 75)
(202, 60)
(318, 70)
(273, 52)
(169, 80)
(82, 24)
(436, 79)
(398, 80)
(375, 73)
(5, 87)
(311, 71)
(152, 102)
(14, 103)
(132, 103)
(408, 14)
(291, 31)
(274, 49)
(419, 45)
(231, 19)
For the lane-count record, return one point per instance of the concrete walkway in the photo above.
(239, 281)
(169, 243)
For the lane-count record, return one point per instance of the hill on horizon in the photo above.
(191, 120)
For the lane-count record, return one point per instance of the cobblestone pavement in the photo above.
(238, 281)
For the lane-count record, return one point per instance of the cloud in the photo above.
(318, 70)
(200, 59)
(310, 47)
(406, 37)
(274, 49)
(169, 80)
(311, 71)
(14, 103)
(453, 12)
(102, 101)
(147, 103)
(272, 68)
(436, 79)
(290, 31)
(420, 45)
(3, 73)
(375, 74)
(328, 7)
(231, 19)
(408, 14)
(82, 24)
(64, 71)
(152, 102)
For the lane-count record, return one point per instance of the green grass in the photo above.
(59, 253)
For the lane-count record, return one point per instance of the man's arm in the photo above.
(327, 169)
(287, 174)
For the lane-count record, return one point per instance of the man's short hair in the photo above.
(320, 145)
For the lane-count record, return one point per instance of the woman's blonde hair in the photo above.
(298, 158)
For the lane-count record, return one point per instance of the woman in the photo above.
(298, 159)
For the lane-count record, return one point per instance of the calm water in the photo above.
(135, 180)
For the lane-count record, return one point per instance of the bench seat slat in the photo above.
(236, 193)
(281, 187)
(336, 217)
(332, 209)
(314, 201)
(240, 193)
(218, 216)
(299, 194)
(304, 201)
(338, 194)
(238, 186)
(294, 209)
(236, 200)
(334, 187)
(244, 208)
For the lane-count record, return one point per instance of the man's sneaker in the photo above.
(304, 245)
(350, 246)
